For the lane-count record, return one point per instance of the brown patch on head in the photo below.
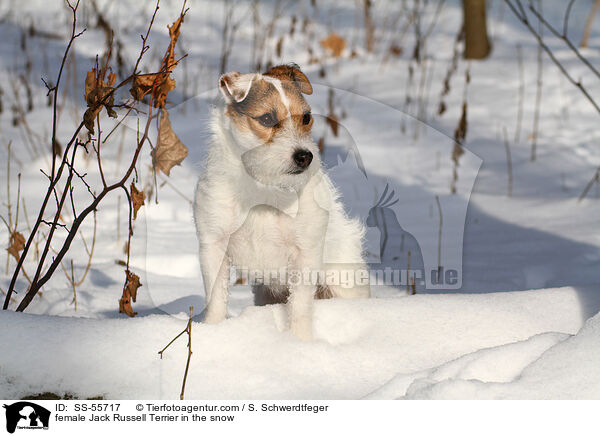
(262, 99)
(263, 102)
(299, 108)
(291, 73)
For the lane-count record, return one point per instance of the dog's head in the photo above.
(271, 124)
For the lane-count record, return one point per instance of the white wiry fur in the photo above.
(251, 213)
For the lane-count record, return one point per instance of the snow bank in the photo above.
(568, 370)
(445, 345)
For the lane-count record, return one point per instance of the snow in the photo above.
(546, 366)
(521, 321)
(497, 345)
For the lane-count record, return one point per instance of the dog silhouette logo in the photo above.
(26, 415)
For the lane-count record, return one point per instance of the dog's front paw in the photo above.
(302, 332)
(213, 317)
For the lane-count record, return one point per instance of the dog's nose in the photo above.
(303, 158)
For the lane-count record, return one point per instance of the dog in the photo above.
(264, 203)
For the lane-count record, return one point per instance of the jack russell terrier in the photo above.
(264, 203)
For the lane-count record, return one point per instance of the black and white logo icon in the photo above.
(26, 415)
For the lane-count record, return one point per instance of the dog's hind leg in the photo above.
(356, 291)
(323, 292)
(353, 280)
(270, 294)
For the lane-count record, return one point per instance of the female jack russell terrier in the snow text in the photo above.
(264, 203)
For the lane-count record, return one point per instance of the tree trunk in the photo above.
(477, 45)
(369, 28)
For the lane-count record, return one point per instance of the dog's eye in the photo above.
(306, 118)
(267, 120)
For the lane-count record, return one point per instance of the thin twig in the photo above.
(188, 330)
(74, 287)
(439, 270)
(521, 94)
(74, 36)
(508, 162)
(594, 179)
(174, 188)
(130, 222)
(90, 253)
(8, 205)
(189, 357)
(577, 83)
(563, 36)
(118, 219)
(538, 93)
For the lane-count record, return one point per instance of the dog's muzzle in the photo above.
(302, 159)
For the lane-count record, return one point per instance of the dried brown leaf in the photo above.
(166, 85)
(461, 129)
(89, 117)
(90, 83)
(125, 306)
(137, 199)
(112, 78)
(56, 148)
(332, 120)
(16, 244)
(396, 50)
(97, 94)
(132, 283)
(142, 85)
(169, 150)
(335, 44)
(321, 144)
(93, 83)
(174, 31)
(160, 84)
(442, 108)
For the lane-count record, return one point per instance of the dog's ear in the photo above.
(235, 86)
(292, 73)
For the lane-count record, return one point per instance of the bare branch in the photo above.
(564, 37)
(523, 18)
(41, 277)
(188, 330)
(594, 179)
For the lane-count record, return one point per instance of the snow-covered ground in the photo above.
(521, 320)
(528, 344)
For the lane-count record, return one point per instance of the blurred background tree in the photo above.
(477, 44)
